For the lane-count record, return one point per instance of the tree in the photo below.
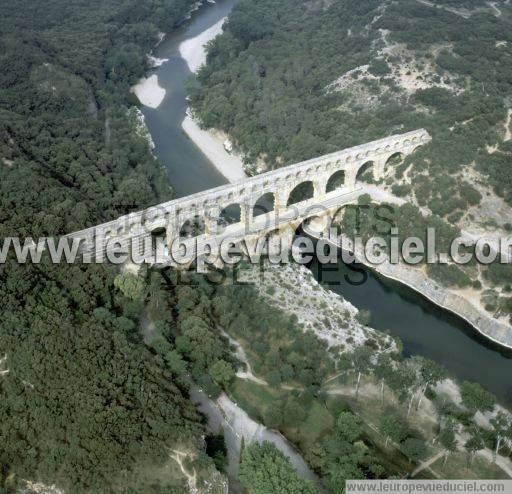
(502, 424)
(175, 362)
(345, 467)
(361, 359)
(476, 398)
(392, 428)
(474, 443)
(131, 285)
(222, 373)
(414, 448)
(264, 469)
(383, 371)
(411, 373)
(273, 416)
(431, 373)
(294, 412)
(348, 427)
(447, 439)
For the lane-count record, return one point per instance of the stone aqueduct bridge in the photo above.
(337, 171)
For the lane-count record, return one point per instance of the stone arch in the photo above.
(301, 192)
(265, 204)
(395, 158)
(313, 225)
(336, 181)
(362, 172)
(158, 234)
(193, 227)
(231, 214)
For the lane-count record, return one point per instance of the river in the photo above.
(190, 171)
(424, 329)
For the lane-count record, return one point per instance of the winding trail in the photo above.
(508, 131)
(191, 477)
(496, 9)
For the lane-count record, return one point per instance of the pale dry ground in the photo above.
(211, 144)
(141, 128)
(195, 6)
(3, 361)
(178, 457)
(409, 73)
(156, 62)
(508, 126)
(148, 91)
(463, 12)
(39, 488)
(491, 207)
(193, 50)
(293, 289)
(427, 464)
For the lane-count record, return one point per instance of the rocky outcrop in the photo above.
(494, 329)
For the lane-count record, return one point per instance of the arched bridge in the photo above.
(256, 205)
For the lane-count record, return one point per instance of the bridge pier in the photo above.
(246, 213)
(281, 200)
(211, 226)
(320, 186)
(379, 168)
(350, 177)
(211, 220)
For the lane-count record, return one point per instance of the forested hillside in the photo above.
(84, 404)
(291, 80)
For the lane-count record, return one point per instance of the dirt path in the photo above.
(496, 9)
(2, 361)
(178, 457)
(427, 464)
(242, 356)
(508, 132)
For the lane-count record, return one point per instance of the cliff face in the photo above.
(494, 329)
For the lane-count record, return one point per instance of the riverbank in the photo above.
(193, 50)
(293, 289)
(457, 302)
(211, 144)
(149, 92)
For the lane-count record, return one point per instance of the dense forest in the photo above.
(291, 80)
(84, 404)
